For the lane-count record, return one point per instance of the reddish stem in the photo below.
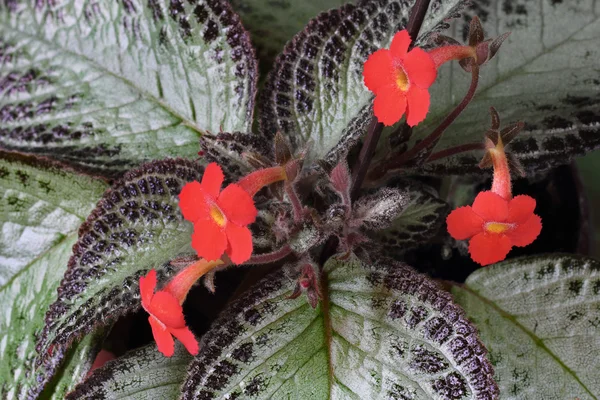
(455, 150)
(270, 257)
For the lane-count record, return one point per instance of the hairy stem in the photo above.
(364, 158)
(270, 257)
(455, 150)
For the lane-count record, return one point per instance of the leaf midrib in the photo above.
(94, 64)
(537, 341)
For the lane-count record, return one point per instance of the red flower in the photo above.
(495, 225)
(166, 317)
(399, 79)
(220, 218)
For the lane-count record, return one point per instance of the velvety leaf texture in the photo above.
(545, 74)
(40, 205)
(420, 219)
(273, 23)
(136, 226)
(383, 332)
(316, 91)
(138, 375)
(103, 86)
(539, 317)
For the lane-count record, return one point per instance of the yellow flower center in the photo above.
(217, 215)
(497, 227)
(402, 80)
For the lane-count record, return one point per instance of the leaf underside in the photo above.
(383, 332)
(540, 319)
(315, 91)
(104, 86)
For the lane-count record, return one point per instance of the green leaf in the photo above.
(104, 86)
(545, 74)
(273, 23)
(419, 221)
(77, 364)
(136, 226)
(23, 303)
(140, 374)
(41, 207)
(40, 204)
(383, 331)
(539, 318)
(316, 91)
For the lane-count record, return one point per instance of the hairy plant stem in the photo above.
(270, 257)
(364, 158)
(297, 207)
(455, 150)
(429, 142)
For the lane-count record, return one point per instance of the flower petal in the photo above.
(237, 205)
(463, 223)
(185, 336)
(418, 105)
(209, 240)
(164, 340)
(487, 248)
(520, 209)
(524, 234)
(212, 180)
(400, 44)
(419, 67)
(167, 309)
(491, 207)
(147, 286)
(240, 243)
(193, 202)
(378, 71)
(389, 105)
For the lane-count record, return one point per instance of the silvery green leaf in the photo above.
(316, 91)
(41, 208)
(140, 374)
(539, 318)
(382, 331)
(136, 226)
(545, 74)
(103, 86)
(40, 204)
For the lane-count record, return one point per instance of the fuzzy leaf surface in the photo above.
(383, 332)
(136, 226)
(540, 319)
(420, 219)
(103, 86)
(273, 23)
(41, 207)
(40, 204)
(138, 375)
(545, 74)
(316, 91)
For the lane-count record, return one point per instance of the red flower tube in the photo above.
(496, 222)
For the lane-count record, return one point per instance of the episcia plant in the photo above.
(351, 227)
